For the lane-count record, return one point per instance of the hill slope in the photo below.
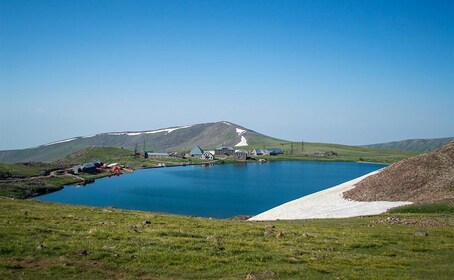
(183, 138)
(427, 178)
(413, 145)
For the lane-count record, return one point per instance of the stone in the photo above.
(146, 222)
(421, 233)
(250, 276)
(268, 233)
(279, 234)
(40, 247)
(269, 274)
(214, 239)
(82, 252)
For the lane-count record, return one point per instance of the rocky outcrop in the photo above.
(427, 178)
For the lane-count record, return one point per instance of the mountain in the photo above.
(426, 178)
(181, 138)
(413, 145)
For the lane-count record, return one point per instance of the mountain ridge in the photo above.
(413, 145)
(176, 138)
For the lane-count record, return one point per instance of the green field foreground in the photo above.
(53, 241)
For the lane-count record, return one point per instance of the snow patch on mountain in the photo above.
(240, 131)
(243, 142)
(61, 141)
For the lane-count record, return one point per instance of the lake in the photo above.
(219, 191)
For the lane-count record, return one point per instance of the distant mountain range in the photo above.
(182, 138)
(413, 145)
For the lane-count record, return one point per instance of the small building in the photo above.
(267, 152)
(325, 154)
(177, 155)
(240, 155)
(258, 152)
(196, 151)
(207, 156)
(156, 155)
(224, 151)
(275, 151)
(89, 167)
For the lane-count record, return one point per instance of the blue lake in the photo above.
(219, 191)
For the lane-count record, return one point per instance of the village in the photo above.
(196, 153)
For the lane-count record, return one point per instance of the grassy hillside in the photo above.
(414, 145)
(344, 152)
(52, 241)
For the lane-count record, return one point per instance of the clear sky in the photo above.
(350, 72)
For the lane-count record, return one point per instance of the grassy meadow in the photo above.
(53, 241)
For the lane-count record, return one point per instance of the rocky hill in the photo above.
(182, 138)
(413, 145)
(427, 178)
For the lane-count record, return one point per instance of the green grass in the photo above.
(53, 241)
(344, 152)
(10, 170)
(425, 208)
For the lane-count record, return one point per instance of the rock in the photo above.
(133, 226)
(26, 213)
(214, 239)
(268, 233)
(306, 234)
(269, 274)
(40, 247)
(82, 252)
(269, 226)
(250, 276)
(421, 233)
(279, 234)
(146, 222)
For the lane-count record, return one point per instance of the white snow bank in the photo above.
(243, 142)
(61, 141)
(227, 123)
(133, 133)
(328, 203)
(89, 136)
(168, 130)
(240, 131)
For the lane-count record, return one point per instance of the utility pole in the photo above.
(302, 146)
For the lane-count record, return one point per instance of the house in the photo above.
(275, 151)
(325, 154)
(89, 167)
(177, 155)
(267, 152)
(196, 151)
(240, 155)
(207, 156)
(224, 151)
(258, 152)
(156, 155)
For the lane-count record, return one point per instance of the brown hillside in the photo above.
(427, 178)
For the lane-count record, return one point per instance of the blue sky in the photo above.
(350, 72)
